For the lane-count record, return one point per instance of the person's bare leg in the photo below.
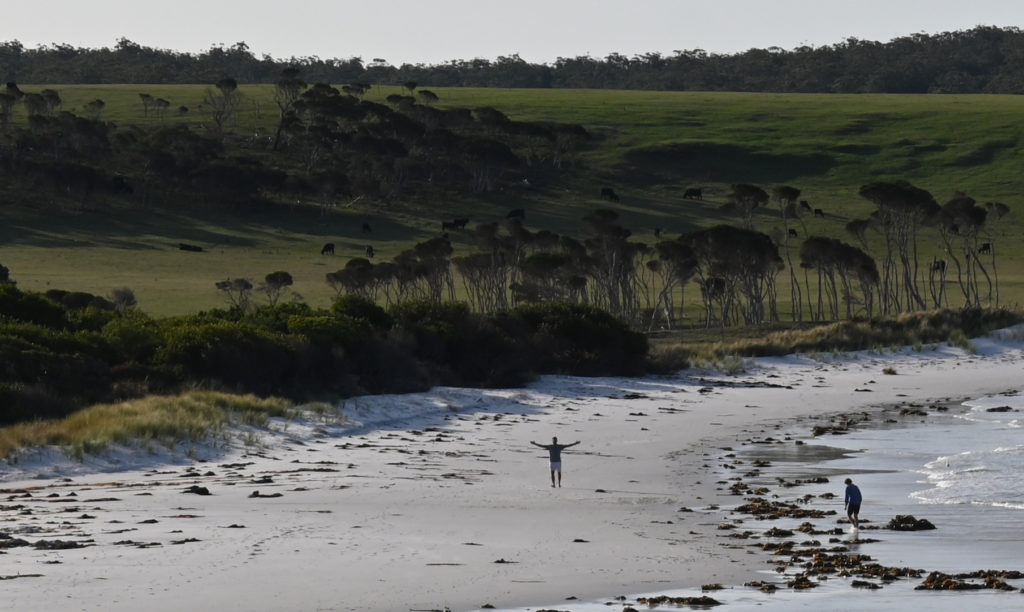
(559, 478)
(552, 479)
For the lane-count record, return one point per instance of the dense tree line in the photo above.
(981, 60)
(330, 145)
(735, 267)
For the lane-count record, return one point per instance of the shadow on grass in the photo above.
(720, 163)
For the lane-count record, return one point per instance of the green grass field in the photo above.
(649, 146)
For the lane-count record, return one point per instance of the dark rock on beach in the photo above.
(907, 522)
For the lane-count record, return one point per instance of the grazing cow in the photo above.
(693, 193)
(657, 232)
(819, 212)
(516, 213)
(367, 229)
(369, 252)
(804, 204)
(328, 249)
(954, 229)
(190, 247)
(609, 194)
(447, 225)
(986, 247)
(939, 265)
(460, 223)
(792, 233)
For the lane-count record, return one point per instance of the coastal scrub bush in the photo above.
(361, 308)
(133, 336)
(582, 340)
(17, 305)
(232, 354)
(330, 330)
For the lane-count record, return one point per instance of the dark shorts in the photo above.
(853, 509)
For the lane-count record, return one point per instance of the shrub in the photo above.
(275, 318)
(358, 307)
(16, 305)
(233, 354)
(134, 337)
(323, 329)
(26, 402)
(582, 340)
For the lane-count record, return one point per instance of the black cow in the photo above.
(657, 232)
(792, 233)
(819, 212)
(939, 265)
(516, 213)
(804, 204)
(460, 223)
(328, 249)
(693, 193)
(190, 247)
(986, 247)
(367, 229)
(609, 194)
(447, 225)
(369, 252)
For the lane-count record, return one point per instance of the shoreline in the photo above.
(437, 499)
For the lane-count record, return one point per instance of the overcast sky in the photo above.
(435, 31)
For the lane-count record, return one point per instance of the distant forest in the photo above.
(981, 60)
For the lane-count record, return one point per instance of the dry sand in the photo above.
(437, 500)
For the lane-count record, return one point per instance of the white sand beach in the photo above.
(438, 500)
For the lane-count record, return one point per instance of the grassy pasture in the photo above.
(649, 146)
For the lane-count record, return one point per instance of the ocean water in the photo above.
(962, 469)
(984, 464)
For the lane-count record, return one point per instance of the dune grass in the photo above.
(164, 420)
(916, 329)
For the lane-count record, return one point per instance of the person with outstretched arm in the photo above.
(852, 502)
(555, 453)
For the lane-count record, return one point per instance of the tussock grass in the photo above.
(162, 419)
(909, 329)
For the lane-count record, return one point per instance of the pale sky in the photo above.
(435, 31)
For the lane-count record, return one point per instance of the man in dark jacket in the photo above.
(852, 502)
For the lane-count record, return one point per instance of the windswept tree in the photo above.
(237, 292)
(356, 278)
(786, 197)
(736, 268)
(427, 96)
(743, 201)
(612, 264)
(287, 90)
(842, 270)
(426, 269)
(94, 109)
(147, 103)
(961, 226)
(275, 285)
(902, 210)
(221, 103)
(676, 264)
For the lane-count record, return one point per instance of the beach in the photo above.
(438, 500)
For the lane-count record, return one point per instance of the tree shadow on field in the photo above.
(724, 163)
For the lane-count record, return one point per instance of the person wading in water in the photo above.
(555, 453)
